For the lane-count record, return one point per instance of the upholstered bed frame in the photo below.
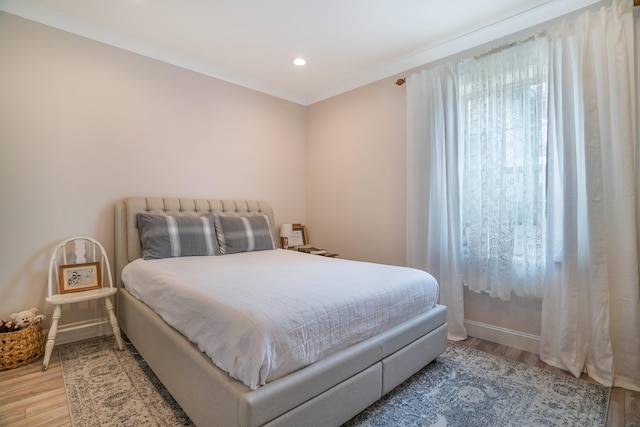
(328, 392)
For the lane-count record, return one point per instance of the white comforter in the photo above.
(261, 315)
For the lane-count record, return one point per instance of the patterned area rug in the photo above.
(466, 387)
(462, 387)
(108, 387)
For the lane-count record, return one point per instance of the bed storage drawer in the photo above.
(340, 402)
(399, 366)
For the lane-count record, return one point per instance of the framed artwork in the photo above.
(298, 236)
(79, 277)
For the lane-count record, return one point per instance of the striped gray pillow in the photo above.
(164, 236)
(243, 234)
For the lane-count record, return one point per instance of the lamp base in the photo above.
(285, 242)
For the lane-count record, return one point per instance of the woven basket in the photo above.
(21, 347)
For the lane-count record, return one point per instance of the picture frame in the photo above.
(298, 236)
(80, 277)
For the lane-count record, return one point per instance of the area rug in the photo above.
(108, 387)
(466, 387)
(462, 387)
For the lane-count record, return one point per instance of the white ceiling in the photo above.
(347, 43)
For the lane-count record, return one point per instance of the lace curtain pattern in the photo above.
(503, 135)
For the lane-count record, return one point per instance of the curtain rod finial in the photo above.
(401, 81)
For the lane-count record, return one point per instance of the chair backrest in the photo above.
(85, 266)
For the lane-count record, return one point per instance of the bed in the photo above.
(330, 390)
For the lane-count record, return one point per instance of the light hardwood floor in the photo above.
(30, 397)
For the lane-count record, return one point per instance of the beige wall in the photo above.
(83, 124)
(356, 184)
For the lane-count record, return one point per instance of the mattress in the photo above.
(262, 315)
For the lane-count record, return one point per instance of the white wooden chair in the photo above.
(82, 280)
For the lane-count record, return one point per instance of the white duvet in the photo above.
(262, 315)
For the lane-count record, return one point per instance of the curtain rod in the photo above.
(403, 80)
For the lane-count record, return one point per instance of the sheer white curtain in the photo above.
(501, 98)
(503, 134)
(590, 307)
(433, 185)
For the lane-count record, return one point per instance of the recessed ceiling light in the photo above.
(299, 62)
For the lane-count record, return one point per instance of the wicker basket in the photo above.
(20, 348)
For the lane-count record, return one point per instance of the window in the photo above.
(503, 136)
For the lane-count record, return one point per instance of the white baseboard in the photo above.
(509, 337)
(65, 337)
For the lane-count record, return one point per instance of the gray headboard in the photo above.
(127, 240)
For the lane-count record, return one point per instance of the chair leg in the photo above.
(114, 323)
(51, 337)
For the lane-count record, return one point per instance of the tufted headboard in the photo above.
(127, 240)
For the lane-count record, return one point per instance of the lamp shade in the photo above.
(285, 230)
